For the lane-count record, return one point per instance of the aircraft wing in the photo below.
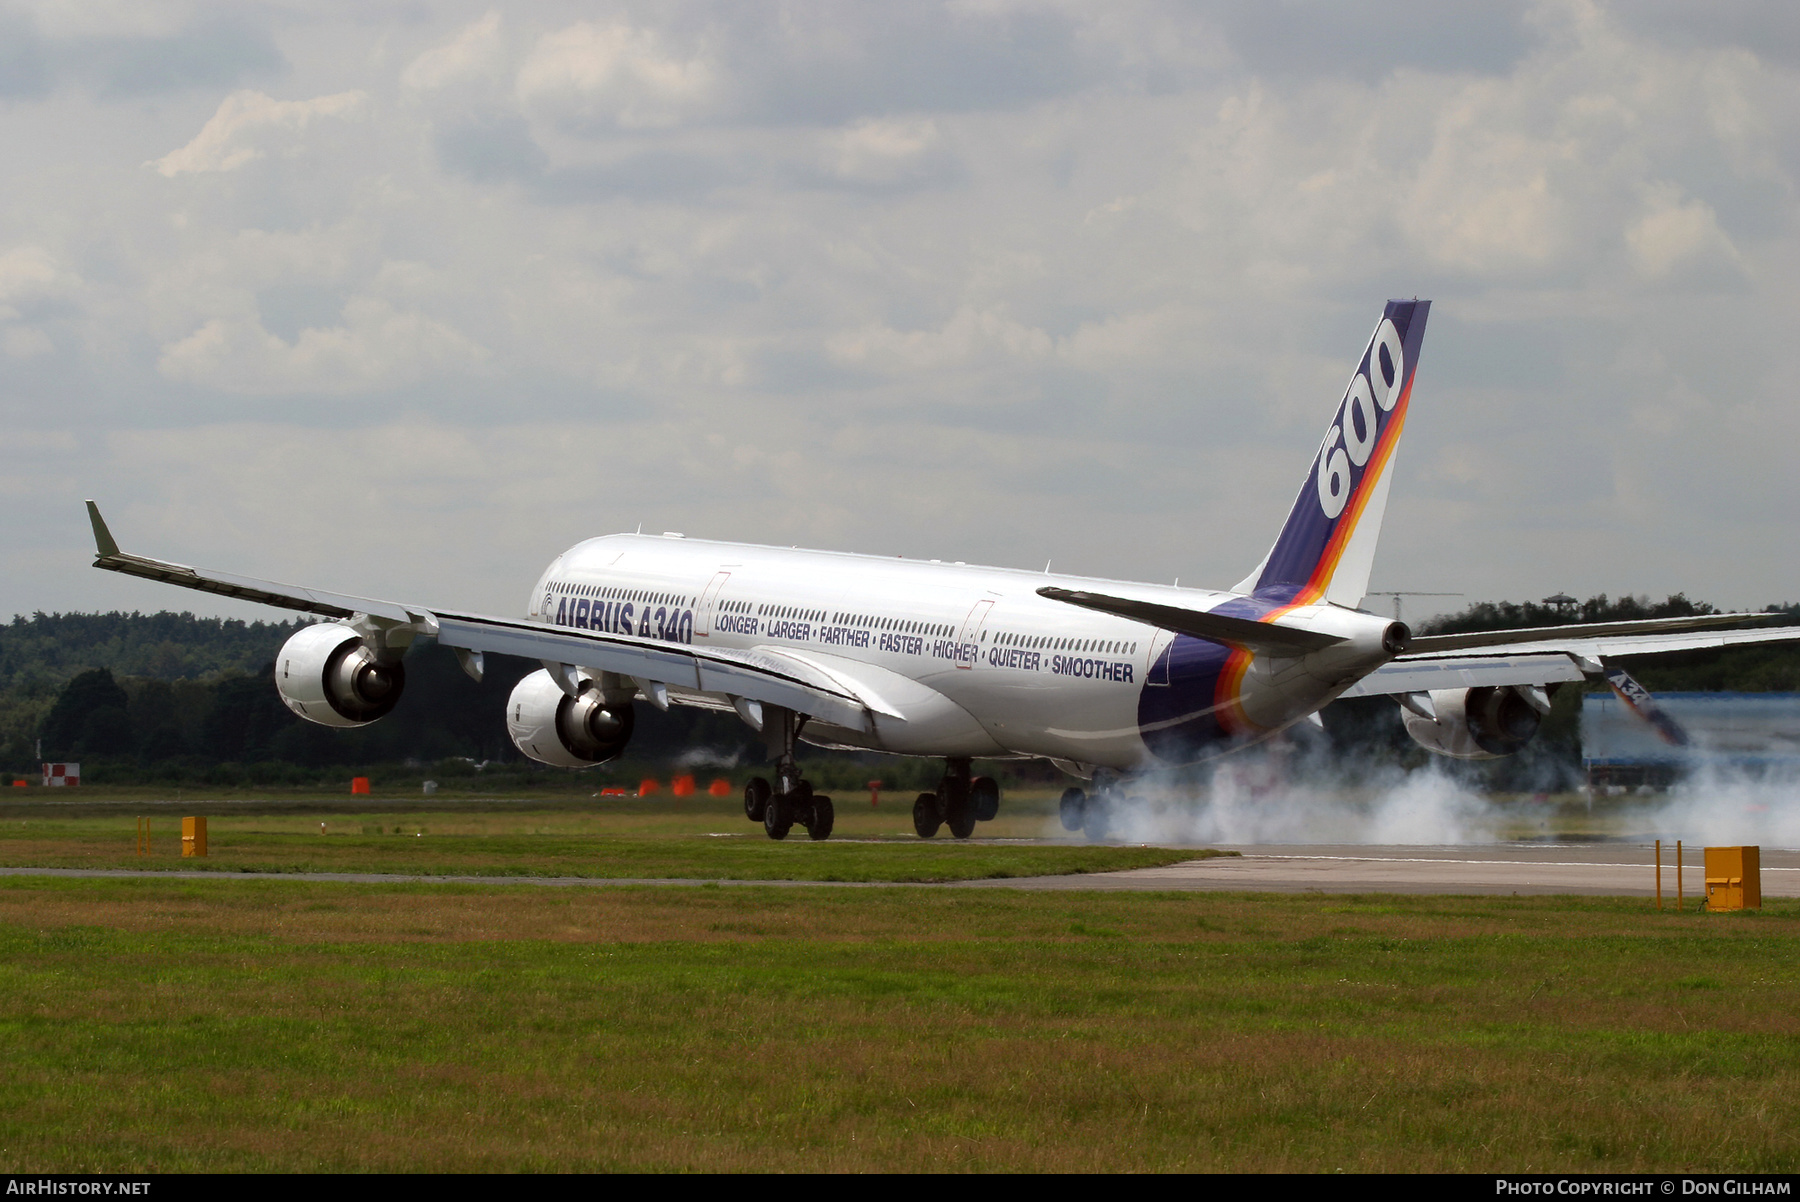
(1549, 660)
(1558, 637)
(1464, 672)
(729, 673)
(1578, 642)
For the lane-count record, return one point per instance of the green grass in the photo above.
(260, 1023)
(692, 840)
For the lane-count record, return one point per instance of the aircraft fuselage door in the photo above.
(1154, 672)
(971, 630)
(709, 604)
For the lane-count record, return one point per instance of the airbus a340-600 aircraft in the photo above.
(1104, 678)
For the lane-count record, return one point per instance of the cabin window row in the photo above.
(901, 625)
(1049, 643)
(791, 611)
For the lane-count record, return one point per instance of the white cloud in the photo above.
(1673, 232)
(475, 51)
(29, 272)
(230, 139)
(885, 151)
(612, 74)
(1484, 201)
(378, 346)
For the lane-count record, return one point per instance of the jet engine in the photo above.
(1475, 724)
(327, 674)
(570, 732)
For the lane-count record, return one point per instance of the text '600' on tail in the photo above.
(1325, 550)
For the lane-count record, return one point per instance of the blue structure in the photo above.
(1750, 733)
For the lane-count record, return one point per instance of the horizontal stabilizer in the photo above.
(1430, 644)
(1258, 636)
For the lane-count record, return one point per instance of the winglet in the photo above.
(103, 539)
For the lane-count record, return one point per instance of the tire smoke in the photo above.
(1252, 798)
(1719, 805)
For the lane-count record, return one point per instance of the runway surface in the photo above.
(1604, 869)
(1601, 869)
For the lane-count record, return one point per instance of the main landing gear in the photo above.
(960, 802)
(1088, 813)
(790, 799)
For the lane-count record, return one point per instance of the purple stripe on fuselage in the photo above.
(1179, 703)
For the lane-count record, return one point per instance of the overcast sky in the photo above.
(403, 299)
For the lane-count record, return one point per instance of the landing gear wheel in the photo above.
(925, 815)
(984, 796)
(1093, 820)
(961, 818)
(1074, 803)
(823, 815)
(756, 798)
(778, 816)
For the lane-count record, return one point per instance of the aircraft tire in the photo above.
(824, 815)
(1094, 820)
(925, 815)
(756, 798)
(778, 816)
(1072, 808)
(961, 819)
(984, 797)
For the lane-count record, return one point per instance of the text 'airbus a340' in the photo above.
(1104, 678)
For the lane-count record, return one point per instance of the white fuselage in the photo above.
(969, 660)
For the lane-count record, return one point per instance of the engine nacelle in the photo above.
(1475, 724)
(328, 675)
(570, 732)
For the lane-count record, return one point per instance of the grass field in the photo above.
(262, 1023)
(696, 838)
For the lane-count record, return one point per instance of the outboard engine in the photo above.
(327, 674)
(570, 732)
(1477, 724)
